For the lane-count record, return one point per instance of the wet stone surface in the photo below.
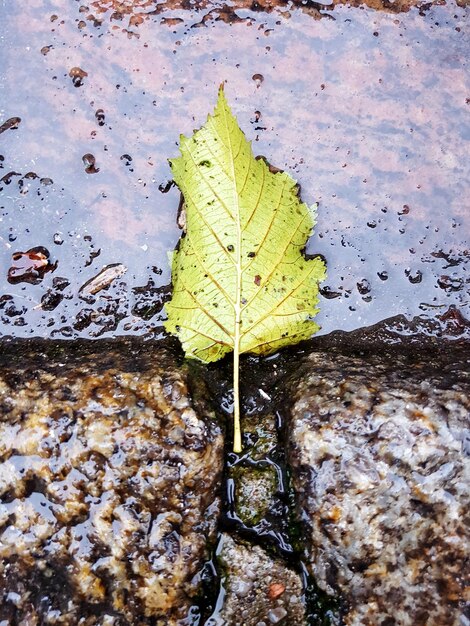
(257, 588)
(110, 471)
(380, 455)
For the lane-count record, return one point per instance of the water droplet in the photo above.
(405, 210)
(165, 187)
(58, 240)
(11, 124)
(100, 118)
(89, 163)
(414, 277)
(30, 266)
(328, 293)
(77, 75)
(258, 79)
(372, 224)
(363, 287)
(46, 49)
(127, 159)
(382, 275)
(450, 283)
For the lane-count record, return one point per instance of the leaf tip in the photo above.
(222, 98)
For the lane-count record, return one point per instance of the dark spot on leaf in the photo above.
(205, 163)
(230, 248)
(251, 255)
(257, 280)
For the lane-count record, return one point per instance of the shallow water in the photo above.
(368, 110)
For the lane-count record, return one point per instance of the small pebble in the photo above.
(276, 615)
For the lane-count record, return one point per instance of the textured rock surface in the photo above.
(109, 476)
(380, 456)
(258, 589)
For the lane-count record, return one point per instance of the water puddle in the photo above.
(367, 109)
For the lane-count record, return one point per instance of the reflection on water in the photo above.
(368, 110)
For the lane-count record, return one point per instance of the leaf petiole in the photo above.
(237, 435)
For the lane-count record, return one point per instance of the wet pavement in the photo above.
(368, 109)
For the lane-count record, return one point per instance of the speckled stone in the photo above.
(255, 493)
(109, 474)
(257, 588)
(379, 449)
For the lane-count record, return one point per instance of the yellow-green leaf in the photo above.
(241, 282)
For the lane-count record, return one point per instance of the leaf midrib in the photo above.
(237, 218)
